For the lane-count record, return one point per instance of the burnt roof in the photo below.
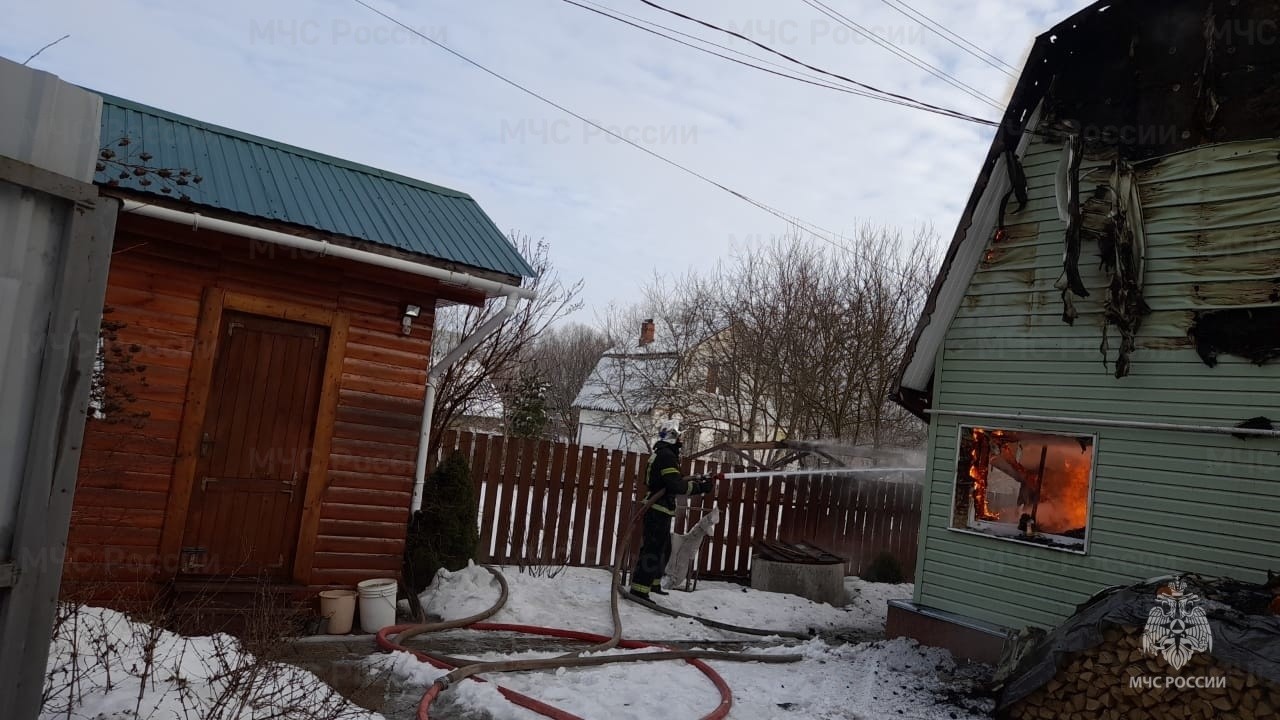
(1144, 78)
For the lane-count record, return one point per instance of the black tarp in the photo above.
(1245, 634)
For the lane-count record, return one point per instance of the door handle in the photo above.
(206, 445)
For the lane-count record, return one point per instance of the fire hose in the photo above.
(460, 669)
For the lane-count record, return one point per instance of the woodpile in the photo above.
(1096, 685)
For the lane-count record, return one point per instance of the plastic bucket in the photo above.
(339, 608)
(377, 603)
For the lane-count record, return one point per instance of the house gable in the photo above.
(993, 344)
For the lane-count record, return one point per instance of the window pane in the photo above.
(1023, 485)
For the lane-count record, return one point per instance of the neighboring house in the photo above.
(1102, 325)
(633, 389)
(269, 424)
(621, 401)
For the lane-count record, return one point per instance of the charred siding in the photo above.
(1163, 502)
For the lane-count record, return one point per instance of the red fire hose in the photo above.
(462, 669)
(721, 710)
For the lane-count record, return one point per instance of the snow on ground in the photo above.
(883, 679)
(886, 679)
(100, 660)
(578, 598)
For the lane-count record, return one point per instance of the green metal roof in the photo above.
(265, 179)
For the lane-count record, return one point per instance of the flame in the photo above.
(1057, 497)
(980, 470)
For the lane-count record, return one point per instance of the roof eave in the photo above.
(1011, 129)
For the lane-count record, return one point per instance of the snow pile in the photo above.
(578, 598)
(104, 666)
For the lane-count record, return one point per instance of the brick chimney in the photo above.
(647, 331)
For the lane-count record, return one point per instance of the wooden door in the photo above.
(255, 449)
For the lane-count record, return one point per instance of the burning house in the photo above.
(1096, 357)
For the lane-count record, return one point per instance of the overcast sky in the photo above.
(332, 76)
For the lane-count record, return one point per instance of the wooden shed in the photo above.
(1096, 357)
(258, 406)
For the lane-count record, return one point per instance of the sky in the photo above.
(333, 76)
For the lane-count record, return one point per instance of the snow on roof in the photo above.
(627, 380)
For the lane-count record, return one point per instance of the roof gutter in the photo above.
(322, 248)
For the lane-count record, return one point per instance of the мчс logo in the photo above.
(1177, 626)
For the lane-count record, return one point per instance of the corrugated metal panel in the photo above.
(269, 180)
(1163, 502)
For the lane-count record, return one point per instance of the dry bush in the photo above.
(170, 677)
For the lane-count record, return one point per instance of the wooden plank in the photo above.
(523, 500)
(283, 309)
(392, 529)
(880, 496)
(913, 528)
(581, 498)
(733, 526)
(752, 499)
(825, 532)
(554, 490)
(633, 492)
(718, 557)
(479, 456)
(538, 504)
(612, 500)
(489, 504)
(192, 421)
(506, 484)
(595, 508)
(322, 439)
(564, 512)
(843, 544)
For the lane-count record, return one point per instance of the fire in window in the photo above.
(1028, 486)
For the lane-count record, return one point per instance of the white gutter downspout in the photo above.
(322, 248)
(433, 383)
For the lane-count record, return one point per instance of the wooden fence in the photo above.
(545, 503)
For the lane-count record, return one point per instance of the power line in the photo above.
(928, 67)
(954, 38)
(751, 61)
(817, 231)
(817, 69)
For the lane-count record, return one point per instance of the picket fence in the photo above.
(545, 503)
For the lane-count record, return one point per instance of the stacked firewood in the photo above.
(1095, 685)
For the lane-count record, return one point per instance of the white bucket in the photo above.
(377, 603)
(339, 608)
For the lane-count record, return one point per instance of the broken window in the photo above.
(1027, 486)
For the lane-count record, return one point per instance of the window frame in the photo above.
(1083, 549)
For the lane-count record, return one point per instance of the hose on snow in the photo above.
(461, 669)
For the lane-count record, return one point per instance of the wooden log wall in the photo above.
(158, 275)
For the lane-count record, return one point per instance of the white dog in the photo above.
(684, 549)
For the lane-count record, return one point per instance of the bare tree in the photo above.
(788, 340)
(563, 358)
(495, 364)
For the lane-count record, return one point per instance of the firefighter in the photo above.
(664, 476)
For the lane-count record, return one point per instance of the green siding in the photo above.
(1163, 501)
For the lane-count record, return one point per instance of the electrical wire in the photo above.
(816, 231)
(915, 60)
(954, 38)
(750, 61)
(815, 68)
